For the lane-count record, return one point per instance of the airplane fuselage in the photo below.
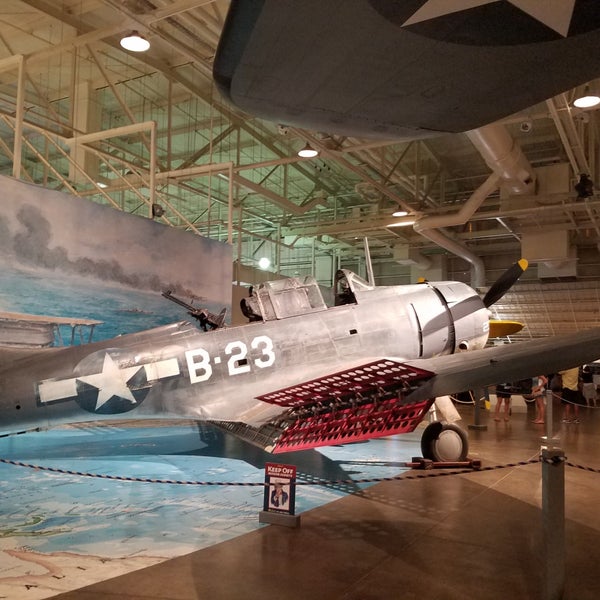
(181, 372)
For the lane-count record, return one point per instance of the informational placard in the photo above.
(280, 488)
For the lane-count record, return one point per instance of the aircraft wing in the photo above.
(352, 405)
(509, 362)
(398, 68)
(391, 396)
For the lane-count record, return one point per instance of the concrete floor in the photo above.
(476, 535)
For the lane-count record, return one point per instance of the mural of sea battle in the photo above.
(64, 256)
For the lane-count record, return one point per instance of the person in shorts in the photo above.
(571, 396)
(503, 396)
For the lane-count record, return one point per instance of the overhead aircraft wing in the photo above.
(400, 68)
(390, 396)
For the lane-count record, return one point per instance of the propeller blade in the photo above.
(504, 282)
(502, 328)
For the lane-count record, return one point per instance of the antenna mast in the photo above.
(370, 277)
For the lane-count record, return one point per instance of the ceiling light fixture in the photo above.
(135, 42)
(264, 263)
(399, 212)
(589, 99)
(308, 151)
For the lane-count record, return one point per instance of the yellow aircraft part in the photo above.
(501, 328)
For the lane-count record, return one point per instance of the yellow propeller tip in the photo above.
(502, 328)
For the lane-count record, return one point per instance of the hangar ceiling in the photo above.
(230, 176)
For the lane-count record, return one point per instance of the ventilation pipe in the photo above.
(429, 227)
(504, 157)
(510, 169)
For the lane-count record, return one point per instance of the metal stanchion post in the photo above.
(553, 508)
(476, 413)
(549, 441)
(553, 515)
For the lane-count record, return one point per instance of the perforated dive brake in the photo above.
(349, 406)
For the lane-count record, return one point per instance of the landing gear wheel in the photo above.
(444, 442)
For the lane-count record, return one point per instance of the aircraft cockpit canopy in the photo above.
(286, 298)
(299, 296)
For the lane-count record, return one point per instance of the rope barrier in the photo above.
(429, 473)
(590, 469)
(584, 404)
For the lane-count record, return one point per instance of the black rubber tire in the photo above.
(444, 442)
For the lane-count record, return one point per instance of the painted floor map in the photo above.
(60, 531)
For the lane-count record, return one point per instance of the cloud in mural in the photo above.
(32, 246)
(51, 230)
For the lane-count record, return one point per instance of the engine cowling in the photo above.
(451, 317)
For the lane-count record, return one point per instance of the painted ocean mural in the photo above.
(121, 309)
(67, 257)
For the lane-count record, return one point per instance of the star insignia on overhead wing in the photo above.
(492, 23)
(555, 15)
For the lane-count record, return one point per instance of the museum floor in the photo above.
(428, 535)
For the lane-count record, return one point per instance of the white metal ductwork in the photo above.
(510, 169)
(504, 157)
(405, 255)
(429, 227)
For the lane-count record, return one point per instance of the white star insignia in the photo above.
(555, 14)
(111, 382)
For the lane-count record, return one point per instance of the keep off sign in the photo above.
(280, 488)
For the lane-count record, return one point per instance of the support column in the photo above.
(86, 118)
(553, 515)
(17, 158)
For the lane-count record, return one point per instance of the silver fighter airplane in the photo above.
(300, 374)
